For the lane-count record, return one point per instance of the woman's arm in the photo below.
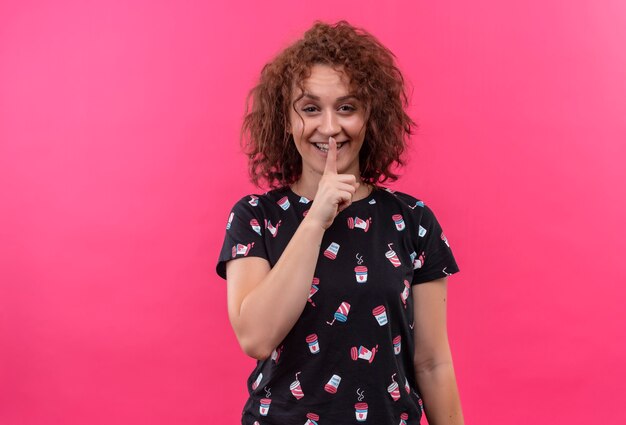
(433, 361)
(264, 303)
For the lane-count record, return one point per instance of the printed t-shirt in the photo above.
(349, 357)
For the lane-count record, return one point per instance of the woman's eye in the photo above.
(347, 108)
(309, 109)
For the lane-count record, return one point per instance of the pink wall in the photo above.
(119, 163)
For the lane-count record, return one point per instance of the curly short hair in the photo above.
(378, 83)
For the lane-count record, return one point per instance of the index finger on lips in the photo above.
(331, 157)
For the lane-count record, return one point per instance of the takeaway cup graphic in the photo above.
(332, 384)
(311, 419)
(264, 408)
(276, 353)
(360, 410)
(341, 314)
(331, 251)
(393, 389)
(363, 353)
(284, 203)
(421, 232)
(397, 345)
(399, 221)
(443, 238)
(403, 418)
(314, 345)
(407, 387)
(314, 289)
(405, 292)
(230, 220)
(254, 200)
(380, 314)
(255, 226)
(360, 273)
(241, 249)
(419, 261)
(256, 383)
(304, 200)
(392, 256)
(359, 223)
(296, 388)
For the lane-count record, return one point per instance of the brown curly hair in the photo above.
(378, 83)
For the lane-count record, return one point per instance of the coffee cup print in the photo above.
(241, 249)
(392, 256)
(254, 200)
(332, 251)
(230, 220)
(304, 200)
(399, 222)
(397, 345)
(314, 289)
(407, 387)
(341, 314)
(264, 408)
(333, 384)
(256, 423)
(421, 231)
(360, 273)
(360, 411)
(419, 261)
(276, 354)
(284, 203)
(296, 388)
(313, 343)
(394, 389)
(359, 223)
(255, 226)
(363, 353)
(380, 314)
(443, 238)
(256, 383)
(311, 419)
(405, 292)
(403, 418)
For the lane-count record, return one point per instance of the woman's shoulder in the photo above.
(404, 200)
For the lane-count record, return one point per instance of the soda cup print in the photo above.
(255, 226)
(399, 221)
(314, 345)
(363, 353)
(397, 345)
(407, 387)
(394, 389)
(380, 314)
(264, 408)
(333, 384)
(342, 313)
(360, 410)
(331, 251)
(311, 419)
(256, 383)
(392, 256)
(296, 388)
(304, 200)
(254, 200)
(284, 203)
(230, 220)
(403, 418)
(421, 232)
(314, 289)
(360, 273)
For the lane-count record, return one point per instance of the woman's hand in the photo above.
(334, 191)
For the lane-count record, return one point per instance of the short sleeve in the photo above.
(434, 257)
(244, 234)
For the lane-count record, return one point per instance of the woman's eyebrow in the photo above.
(339, 99)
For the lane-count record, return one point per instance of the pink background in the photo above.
(119, 162)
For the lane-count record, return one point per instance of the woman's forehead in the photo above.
(323, 80)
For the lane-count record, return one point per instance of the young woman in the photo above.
(336, 285)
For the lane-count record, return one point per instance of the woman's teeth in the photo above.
(324, 146)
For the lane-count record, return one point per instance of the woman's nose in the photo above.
(329, 124)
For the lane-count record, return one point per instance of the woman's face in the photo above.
(327, 109)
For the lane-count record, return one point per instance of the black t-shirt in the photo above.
(349, 357)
